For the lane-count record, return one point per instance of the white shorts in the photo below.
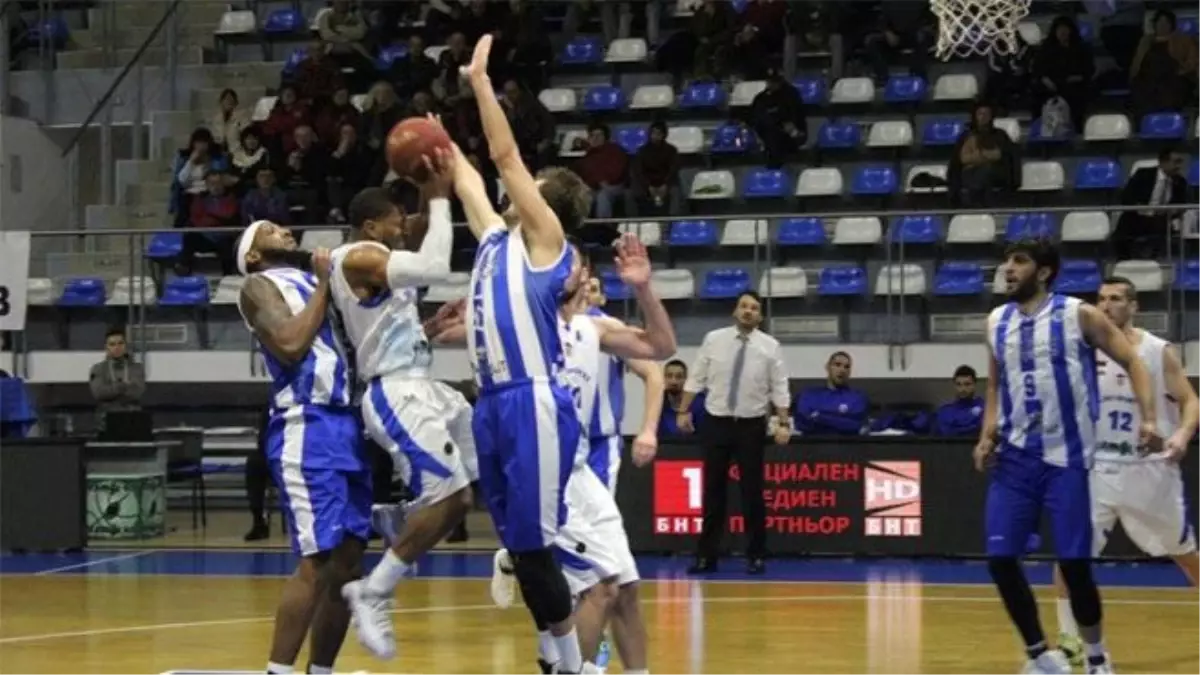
(426, 427)
(592, 546)
(1148, 500)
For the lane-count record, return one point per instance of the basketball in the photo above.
(409, 141)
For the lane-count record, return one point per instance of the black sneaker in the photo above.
(259, 532)
(546, 667)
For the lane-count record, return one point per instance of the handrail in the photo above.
(112, 88)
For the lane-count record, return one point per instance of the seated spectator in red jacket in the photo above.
(304, 175)
(279, 129)
(605, 168)
(266, 201)
(340, 110)
(655, 174)
(217, 207)
(317, 76)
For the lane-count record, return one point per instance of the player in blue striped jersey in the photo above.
(313, 438)
(1038, 436)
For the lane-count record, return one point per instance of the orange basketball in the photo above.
(409, 141)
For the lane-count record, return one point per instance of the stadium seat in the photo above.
(1106, 128)
(582, 51)
(733, 138)
(626, 50)
(632, 138)
(284, 21)
(185, 292)
(1037, 133)
(687, 140)
(389, 55)
(39, 291)
(744, 92)
(783, 282)
(673, 284)
(939, 171)
(904, 89)
(938, 132)
(901, 279)
(1146, 275)
(712, 185)
(839, 135)
(558, 99)
(82, 292)
(613, 287)
(701, 95)
(314, 239)
(958, 278)
(1098, 173)
(857, 231)
(956, 87)
(1142, 164)
(228, 290)
(819, 182)
(132, 291)
(801, 231)
(874, 180)
(745, 232)
(604, 98)
(692, 233)
(238, 22)
(1042, 177)
(1187, 275)
(849, 90)
(916, 230)
(1010, 126)
(262, 108)
(1169, 126)
(842, 280)
(1030, 32)
(1189, 25)
(1036, 225)
(652, 96)
(434, 52)
(455, 286)
(1193, 174)
(765, 183)
(293, 61)
(999, 285)
(971, 229)
(164, 245)
(1078, 276)
(812, 90)
(650, 232)
(566, 144)
(1085, 226)
(890, 134)
(725, 283)
(53, 30)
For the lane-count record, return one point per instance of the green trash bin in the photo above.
(126, 506)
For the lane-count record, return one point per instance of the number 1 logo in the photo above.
(678, 488)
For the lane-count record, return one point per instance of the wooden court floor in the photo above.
(144, 612)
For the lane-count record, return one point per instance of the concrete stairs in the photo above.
(134, 21)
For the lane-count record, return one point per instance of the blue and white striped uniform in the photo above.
(526, 428)
(1049, 404)
(604, 429)
(314, 435)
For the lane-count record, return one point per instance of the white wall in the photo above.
(34, 183)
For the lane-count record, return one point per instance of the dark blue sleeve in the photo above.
(807, 403)
(953, 420)
(851, 421)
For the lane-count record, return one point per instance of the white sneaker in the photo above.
(1105, 668)
(1051, 662)
(504, 580)
(372, 619)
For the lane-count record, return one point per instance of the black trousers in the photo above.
(728, 440)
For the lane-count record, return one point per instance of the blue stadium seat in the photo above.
(604, 98)
(904, 89)
(1078, 276)
(614, 288)
(82, 292)
(390, 54)
(916, 230)
(1189, 25)
(836, 135)
(942, 132)
(1098, 173)
(164, 245)
(1036, 135)
(842, 280)
(802, 231)
(693, 233)
(632, 138)
(702, 95)
(1193, 174)
(54, 30)
(1187, 275)
(1087, 31)
(813, 90)
(958, 278)
(739, 6)
(185, 292)
(1035, 225)
(874, 180)
(283, 21)
(583, 50)
(724, 283)
(293, 60)
(733, 138)
(1170, 126)
(765, 184)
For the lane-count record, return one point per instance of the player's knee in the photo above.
(462, 502)
(603, 594)
(543, 586)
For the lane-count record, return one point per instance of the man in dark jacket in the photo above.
(1143, 234)
(117, 382)
(964, 415)
(777, 116)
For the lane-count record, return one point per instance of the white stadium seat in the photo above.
(1042, 177)
(745, 233)
(1106, 128)
(652, 96)
(262, 108)
(240, 22)
(228, 290)
(1146, 275)
(1143, 164)
(823, 182)
(1009, 125)
(558, 100)
(1030, 32)
(359, 101)
(890, 134)
(717, 184)
(687, 140)
(673, 284)
(956, 87)
(314, 239)
(40, 291)
(906, 279)
(626, 50)
(566, 146)
(938, 170)
(453, 288)
(650, 232)
(853, 90)
(971, 229)
(999, 285)
(133, 290)
(1081, 226)
(783, 282)
(435, 52)
(857, 231)
(744, 92)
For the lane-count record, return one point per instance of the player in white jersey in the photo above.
(1143, 491)
(1038, 437)
(312, 439)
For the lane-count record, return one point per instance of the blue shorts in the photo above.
(324, 487)
(604, 458)
(526, 435)
(1022, 486)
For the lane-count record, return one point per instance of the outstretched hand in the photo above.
(632, 261)
(477, 69)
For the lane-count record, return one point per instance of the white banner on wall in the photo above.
(14, 279)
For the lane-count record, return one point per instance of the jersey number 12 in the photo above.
(1120, 420)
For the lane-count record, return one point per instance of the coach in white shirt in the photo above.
(742, 371)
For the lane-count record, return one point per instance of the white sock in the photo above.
(570, 658)
(320, 670)
(1066, 618)
(390, 570)
(279, 668)
(547, 650)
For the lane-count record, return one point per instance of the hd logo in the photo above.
(892, 499)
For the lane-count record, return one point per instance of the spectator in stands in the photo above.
(350, 166)
(117, 382)
(964, 415)
(215, 207)
(422, 104)
(1163, 73)
(417, 72)
(1007, 84)
(675, 374)
(833, 409)
(777, 116)
(381, 112)
(1063, 66)
(532, 124)
(984, 161)
(759, 36)
(903, 36)
(304, 175)
(317, 77)
(712, 28)
(189, 170)
(342, 30)
(812, 22)
(480, 17)
(249, 157)
(580, 12)
(258, 477)
(280, 128)
(655, 173)
(266, 201)
(330, 119)
(525, 43)
(605, 168)
(448, 86)
(443, 17)
(228, 122)
(1143, 234)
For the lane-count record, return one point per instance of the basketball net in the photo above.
(977, 27)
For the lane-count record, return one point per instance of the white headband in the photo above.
(246, 243)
